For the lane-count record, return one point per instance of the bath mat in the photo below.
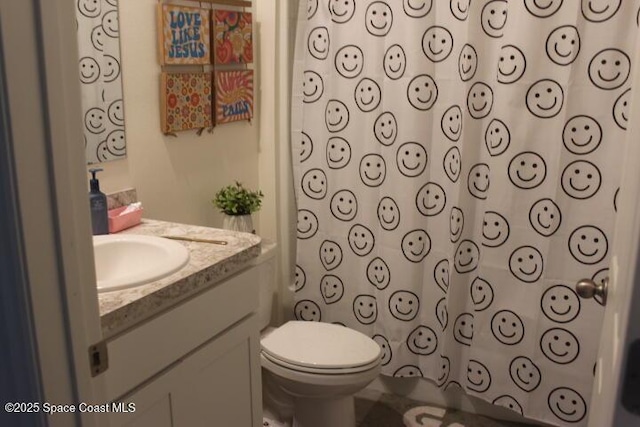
(268, 422)
(424, 416)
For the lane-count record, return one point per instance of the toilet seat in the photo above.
(321, 348)
(322, 371)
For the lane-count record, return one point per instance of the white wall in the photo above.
(176, 178)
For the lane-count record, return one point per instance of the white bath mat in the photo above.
(423, 416)
(268, 422)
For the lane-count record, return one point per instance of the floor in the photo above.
(385, 410)
(375, 409)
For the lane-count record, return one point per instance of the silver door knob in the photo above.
(587, 288)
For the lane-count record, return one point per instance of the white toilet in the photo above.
(311, 369)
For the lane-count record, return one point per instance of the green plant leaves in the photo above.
(237, 200)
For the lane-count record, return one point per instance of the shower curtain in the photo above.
(456, 169)
(98, 33)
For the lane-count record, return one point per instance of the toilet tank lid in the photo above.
(320, 345)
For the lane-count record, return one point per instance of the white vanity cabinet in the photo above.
(195, 365)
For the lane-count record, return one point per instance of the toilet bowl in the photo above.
(310, 370)
(321, 366)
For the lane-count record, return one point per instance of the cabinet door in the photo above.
(152, 406)
(217, 385)
(157, 414)
(220, 385)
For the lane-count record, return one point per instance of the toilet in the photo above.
(310, 370)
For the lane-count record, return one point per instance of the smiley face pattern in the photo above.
(101, 80)
(456, 170)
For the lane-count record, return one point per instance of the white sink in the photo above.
(128, 260)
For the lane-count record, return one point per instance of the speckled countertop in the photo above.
(208, 264)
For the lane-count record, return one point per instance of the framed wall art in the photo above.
(186, 101)
(184, 35)
(234, 96)
(232, 37)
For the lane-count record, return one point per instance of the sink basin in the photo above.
(128, 260)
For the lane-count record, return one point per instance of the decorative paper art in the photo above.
(232, 37)
(186, 100)
(234, 96)
(184, 35)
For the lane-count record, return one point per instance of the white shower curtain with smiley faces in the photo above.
(98, 33)
(456, 170)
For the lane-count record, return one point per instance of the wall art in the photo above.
(185, 101)
(232, 37)
(183, 35)
(234, 96)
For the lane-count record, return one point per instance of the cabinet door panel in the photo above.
(217, 385)
(218, 392)
(153, 406)
(158, 415)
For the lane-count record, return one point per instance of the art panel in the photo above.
(232, 37)
(234, 96)
(185, 101)
(184, 35)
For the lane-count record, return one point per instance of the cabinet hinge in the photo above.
(98, 358)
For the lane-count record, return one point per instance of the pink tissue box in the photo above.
(119, 222)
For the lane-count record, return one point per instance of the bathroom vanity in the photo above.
(185, 349)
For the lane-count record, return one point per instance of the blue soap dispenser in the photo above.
(98, 204)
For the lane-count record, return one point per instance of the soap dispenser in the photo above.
(98, 203)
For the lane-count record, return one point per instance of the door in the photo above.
(41, 106)
(621, 325)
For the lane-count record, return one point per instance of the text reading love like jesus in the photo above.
(185, 33)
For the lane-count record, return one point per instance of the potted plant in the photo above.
(237, 204)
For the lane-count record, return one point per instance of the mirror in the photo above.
(101, 80)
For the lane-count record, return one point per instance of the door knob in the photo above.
(587, 288)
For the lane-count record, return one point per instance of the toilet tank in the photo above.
(266, 263)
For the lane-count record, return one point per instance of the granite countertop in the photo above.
(208, 264)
